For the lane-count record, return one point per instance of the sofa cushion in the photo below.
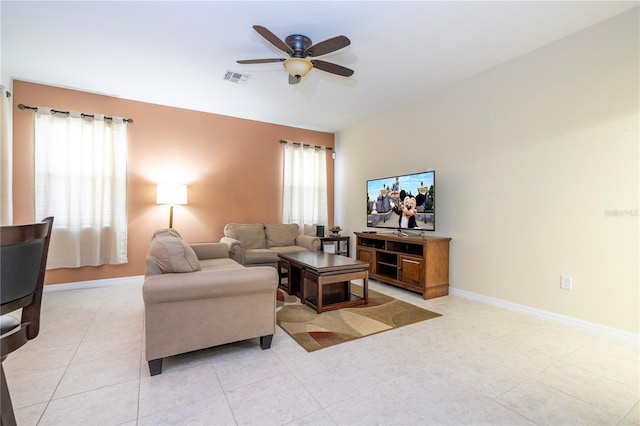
(250, 235)
(288, 249)
(279, 235)
(172, 254)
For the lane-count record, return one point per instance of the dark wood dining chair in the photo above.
(23, 260)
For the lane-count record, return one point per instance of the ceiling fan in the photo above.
(299, 48)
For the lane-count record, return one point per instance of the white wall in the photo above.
(6, 81)
(531, 159)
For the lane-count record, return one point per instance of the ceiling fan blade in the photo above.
(327, 46)
(273, 39)
(294, 79)
(260, 61)
(332, 68)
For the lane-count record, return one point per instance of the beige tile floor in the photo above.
(476, 364)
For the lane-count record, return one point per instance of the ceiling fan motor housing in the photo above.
(298, 43)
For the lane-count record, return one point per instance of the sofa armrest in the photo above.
(210, 250)
(205, 284)
(236, 249)
(309, 242)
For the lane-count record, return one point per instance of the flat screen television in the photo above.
(402, 202)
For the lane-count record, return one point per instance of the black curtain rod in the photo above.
(83, 115)
(307, 145)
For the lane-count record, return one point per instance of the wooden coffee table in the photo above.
(330, 275)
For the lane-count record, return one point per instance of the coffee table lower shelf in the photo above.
(335, 302)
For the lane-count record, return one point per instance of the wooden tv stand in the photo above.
(419, 264)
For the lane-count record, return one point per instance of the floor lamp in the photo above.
(171, 194)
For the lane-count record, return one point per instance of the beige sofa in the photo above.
(258, 244)
(196, 297)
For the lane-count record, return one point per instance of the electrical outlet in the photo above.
(565, 282)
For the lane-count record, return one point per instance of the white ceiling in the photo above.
(176, 53)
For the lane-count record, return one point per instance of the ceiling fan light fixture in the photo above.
(298, 66)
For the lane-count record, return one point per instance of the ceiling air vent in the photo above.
(236, 77)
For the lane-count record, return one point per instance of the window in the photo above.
(81, 180)
(304, 199)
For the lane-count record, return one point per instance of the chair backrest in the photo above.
(23, 261)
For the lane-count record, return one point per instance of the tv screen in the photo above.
(406, 201)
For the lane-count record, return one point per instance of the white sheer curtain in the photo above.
(6, 162)
(81, 180)
(304, 199)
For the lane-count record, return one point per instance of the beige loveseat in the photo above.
(258, 244)
(196, 297)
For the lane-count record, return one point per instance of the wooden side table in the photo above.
(341, 243)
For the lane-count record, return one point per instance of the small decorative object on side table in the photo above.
(334, 231)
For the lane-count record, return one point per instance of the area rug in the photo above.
(315, 331)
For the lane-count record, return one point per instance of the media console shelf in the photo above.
(419, 264)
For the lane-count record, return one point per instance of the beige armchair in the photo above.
(196, 297)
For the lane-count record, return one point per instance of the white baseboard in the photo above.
(138, 279)
(591, 327)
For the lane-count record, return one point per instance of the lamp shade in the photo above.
(171, 193)
(298, 66)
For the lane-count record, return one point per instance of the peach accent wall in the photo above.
(232, 166)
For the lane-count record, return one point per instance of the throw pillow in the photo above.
(166, 232)
(173, 255)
